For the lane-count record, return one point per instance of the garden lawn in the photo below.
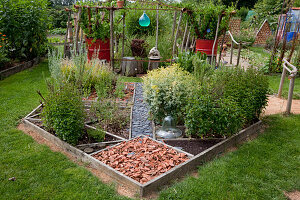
(261, 169)
(39, 172)
(274, 81)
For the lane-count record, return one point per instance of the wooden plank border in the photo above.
(160, 181)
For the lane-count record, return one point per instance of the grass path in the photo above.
(261, 169)
(39, 172)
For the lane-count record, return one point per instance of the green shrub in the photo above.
(64, 113)
(207, 116)
(166, 91)
(96, 134)
(248, 88)
(25, 24)
(242, 13)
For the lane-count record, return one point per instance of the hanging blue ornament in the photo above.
(208, 30)
(144, 20)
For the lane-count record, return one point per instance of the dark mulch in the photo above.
(192, 146)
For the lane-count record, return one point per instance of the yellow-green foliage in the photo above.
(166, 91)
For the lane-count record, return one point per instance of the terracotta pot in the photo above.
(206, 46)
(100, 47)
(120, 4)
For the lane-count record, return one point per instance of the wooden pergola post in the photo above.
(111, 12)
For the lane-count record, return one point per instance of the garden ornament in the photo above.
(154, 54)
(144, 20)
(169, 129)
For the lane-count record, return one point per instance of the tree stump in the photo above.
(129, 66)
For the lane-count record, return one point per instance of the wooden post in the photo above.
(111, 12)
(66, 36)
(290, 95)
(231, 52)
(239, 54)
(123, 36)
(156, 39)
(174, 25)
(216, 37)
(188, 38)
(184, 35)
(89, 16)
(276, 34)
(281, 82)
(77, 31)
(221, 48)
(176, 35)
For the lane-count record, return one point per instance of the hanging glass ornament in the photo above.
(144, 20)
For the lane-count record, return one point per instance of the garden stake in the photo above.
(188, 38)
(287, 29)
(111, 11)
(123, 38)
(173, 29)
(239, 54)
(221, 47)
(184, 35)
(66, 36)
(176, 35)
(156, 41)
(216, 37)
(77, 31)
(276, 34)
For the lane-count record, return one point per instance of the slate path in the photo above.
(141, 125)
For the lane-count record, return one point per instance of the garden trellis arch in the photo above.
(159, 6)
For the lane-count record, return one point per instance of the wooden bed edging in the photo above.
(13, 70)
(162, 180)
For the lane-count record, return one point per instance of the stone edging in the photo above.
(160, 181)
(10, 71)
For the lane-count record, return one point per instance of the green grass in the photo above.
(274, 81)
(40, 173)
(260, 169)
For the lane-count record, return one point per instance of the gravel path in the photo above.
(140, 114)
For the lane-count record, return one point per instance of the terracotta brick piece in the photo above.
(142, 159)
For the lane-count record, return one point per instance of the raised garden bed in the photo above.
(142, 158)
(113, 135)
(144, 179)
(17, 68)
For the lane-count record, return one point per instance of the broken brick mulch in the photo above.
(142, 159)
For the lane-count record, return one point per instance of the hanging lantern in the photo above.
(144, 20)
(168, 129)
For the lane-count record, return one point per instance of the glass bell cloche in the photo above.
(168, 129)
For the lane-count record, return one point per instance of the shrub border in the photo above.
(160, 181)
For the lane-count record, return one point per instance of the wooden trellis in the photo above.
(159, 6)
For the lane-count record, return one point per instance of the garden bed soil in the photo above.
(192, 146)
(141, 158)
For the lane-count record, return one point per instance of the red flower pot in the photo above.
(99, 47)
(206, 46)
